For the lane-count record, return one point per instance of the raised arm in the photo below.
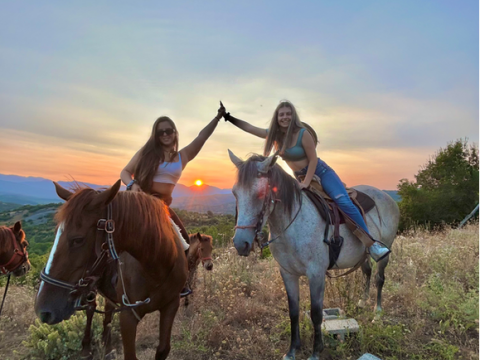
(245, 126)
(189, 152)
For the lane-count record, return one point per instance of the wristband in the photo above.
(130, 184)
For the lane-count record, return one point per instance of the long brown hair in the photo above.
(279, 141)
(152, 154)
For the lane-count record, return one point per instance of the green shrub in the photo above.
(61, 341)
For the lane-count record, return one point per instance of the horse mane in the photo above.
(137, 215)
(288, 191)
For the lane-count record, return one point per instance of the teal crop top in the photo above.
(296, 152)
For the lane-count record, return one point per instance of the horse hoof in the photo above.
(361, 304)
(112, 355)
(377, 318)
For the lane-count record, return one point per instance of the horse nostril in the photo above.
(45, 317)
(247, 247)
(210, 267)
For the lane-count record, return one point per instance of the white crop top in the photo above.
(169, 172)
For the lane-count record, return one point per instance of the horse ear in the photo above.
(107, 196)
(17, 227)
(62, 192)
(266, 164)
(237, 162)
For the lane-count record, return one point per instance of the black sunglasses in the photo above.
(166, 132)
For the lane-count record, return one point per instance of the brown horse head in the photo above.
(73, 252)
(13, 250)
(201, 249)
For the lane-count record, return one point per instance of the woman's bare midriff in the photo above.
(162, 188)
(297, 165)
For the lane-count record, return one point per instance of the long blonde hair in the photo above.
(279, 141)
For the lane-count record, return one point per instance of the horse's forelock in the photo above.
(72, 208)
(287, 189)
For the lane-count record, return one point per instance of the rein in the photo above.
(86, 288)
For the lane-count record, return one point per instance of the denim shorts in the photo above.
(320, 169)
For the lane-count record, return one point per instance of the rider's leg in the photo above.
(334, 187)
(186, 290)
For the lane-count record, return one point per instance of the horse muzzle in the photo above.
(53, 305)
(243, 247)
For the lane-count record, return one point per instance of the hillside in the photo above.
(240, 310)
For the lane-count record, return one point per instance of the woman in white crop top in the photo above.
(158, 165)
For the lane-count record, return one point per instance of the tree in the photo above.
(445, 190)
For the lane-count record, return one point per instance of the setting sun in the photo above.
(198, 182)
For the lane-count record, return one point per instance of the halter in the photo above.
(19, 257)
(85, 290)
(262, 218)
(204, 258)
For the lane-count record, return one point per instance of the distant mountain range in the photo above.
(21, 190)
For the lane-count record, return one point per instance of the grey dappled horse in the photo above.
(266, 193)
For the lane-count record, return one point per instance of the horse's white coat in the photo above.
(299, 248)
(54, 249)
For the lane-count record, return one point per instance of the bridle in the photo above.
(270, 201)
(19, 257)
(84, 292)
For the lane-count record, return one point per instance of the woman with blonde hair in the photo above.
(158, 165)
(286, 135)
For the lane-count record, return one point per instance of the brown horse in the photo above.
(135, 225)
(13, 250)
(200, 250)
(13, 254)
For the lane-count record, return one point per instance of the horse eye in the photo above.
(78, 241)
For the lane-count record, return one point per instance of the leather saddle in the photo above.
(333, 215)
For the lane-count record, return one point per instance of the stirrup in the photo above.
(378, 251)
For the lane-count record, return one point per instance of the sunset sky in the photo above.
(384, 83)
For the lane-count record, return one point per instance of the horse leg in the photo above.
(317, 291)
(367, 274)
(167, 315)
(128, 329)
(86, 352)
(293, 294)
(110, 353)
(380, 279)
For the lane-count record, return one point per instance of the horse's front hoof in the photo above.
(112, 355)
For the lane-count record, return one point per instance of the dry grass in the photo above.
(240, 311)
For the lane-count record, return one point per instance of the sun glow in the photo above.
(198, 182)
